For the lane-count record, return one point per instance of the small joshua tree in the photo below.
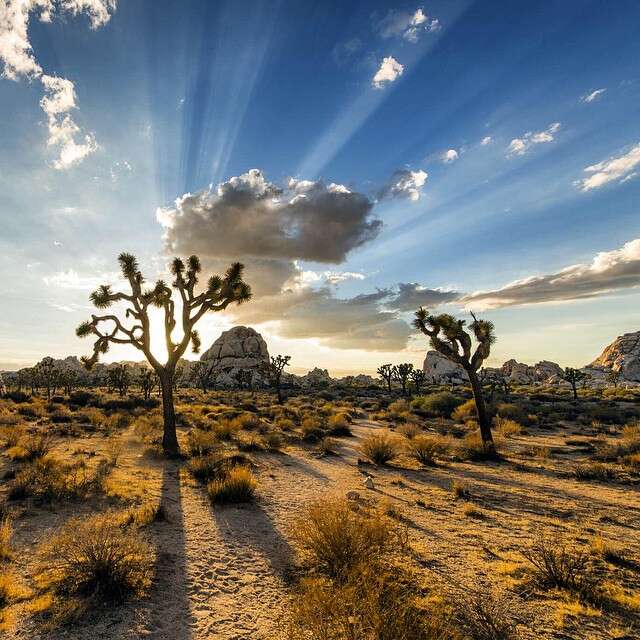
(573, 377)
(68, 380)
(385, 371)
(147, 381)
(613, 377)
(119, 378)
(219, 293)
(401, 373)
(273, 371)
(449, 338)
(49, 375)
(244, 378)
(418, 378)
(204, 373)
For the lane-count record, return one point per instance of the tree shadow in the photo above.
(169, 613)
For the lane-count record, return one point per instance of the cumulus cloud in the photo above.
(615, 168)
(449, 156)
(16, 54)
(593, 96)
(486, 140)
(404, 183)
(609, 271)
(389, 71)
(408, 25)
(520, 146)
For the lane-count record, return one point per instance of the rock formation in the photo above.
(439, 370)
(236, 349)
(622, 355)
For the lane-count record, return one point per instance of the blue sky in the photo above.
(503, 105)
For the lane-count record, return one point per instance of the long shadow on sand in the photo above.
(169, 613)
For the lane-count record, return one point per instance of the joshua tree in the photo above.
(613, 377)
(449, 338)
(273, 371)
(68, 380)
(119, 378)
(204, 373)
(573, 377)
(385, 371)
(49, 375)
(418, 378)
(244, 378)
(147, 381)
(401, 373)
(219, 293)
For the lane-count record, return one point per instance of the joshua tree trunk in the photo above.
(574, 388)
(169, 437)
(279, 391)
(483, 417)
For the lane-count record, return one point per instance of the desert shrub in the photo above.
(507, 427)
(609, 414)
(17, 396)
(460, 490)
(114, 447)
(247, 421)
(209, 467)
(200, 443)
(425, 448)
(594, 471)
(48, 480)
(92, 562)
(465, 411)
(312, 429)
(379, 448)
(471, 447)
(399, 410)
(511, 411)
(148, 428)
(339, 425)
(558, 565)
(237, 486)
(439, 404)
(82, 398)
(225, 429)
(31, 447)
(273, 441)
(409, 430)
(32, 411)
(327, 446)
(334, 539)
(6, 531)
(60, 415)
(11, 435)
(483, 614)
(376, 602)
(284, 424)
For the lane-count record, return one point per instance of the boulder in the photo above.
(316, 378)
(622, 355)
(440, 370)
(236, 349)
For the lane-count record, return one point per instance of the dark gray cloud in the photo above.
(250, 217)
(411, 296)
(609, 271)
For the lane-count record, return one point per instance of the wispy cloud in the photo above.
(593, 96)
(522, 145)
(389, 71)
(408, 25)
(620, 168)
(609, 271)
(16, 54)
(486, 140)
(404, 183)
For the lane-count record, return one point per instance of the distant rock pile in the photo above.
(622, 355)
(239, 348)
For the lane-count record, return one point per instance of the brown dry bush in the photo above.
(484, 614)
(31, 447)
(425, 449)
(339, 425)
(273, 441)
(237, 486)
(200, 443)
(91, 563)
(312, 428)
(380, 448)
(409, 430)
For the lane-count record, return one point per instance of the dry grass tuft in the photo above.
(237, 486)
(425, 449)
(379, 448)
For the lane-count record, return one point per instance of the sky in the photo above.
(360, 158)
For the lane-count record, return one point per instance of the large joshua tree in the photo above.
(135, 327)
(449, 338)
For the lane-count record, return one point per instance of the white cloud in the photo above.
(408, 25)
(615, 168)
(609, 271)
(593, 96)
(389, 71)
(486, 140)
(71, 279)
(59, 99)
(404, 183)
(520, 146)
(449, 156)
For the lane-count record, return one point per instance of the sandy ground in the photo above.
(223, 573)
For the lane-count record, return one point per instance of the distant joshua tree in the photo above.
(119, 378)
(48, 374)
(613, 377)
(385, 371)
(147, 381)
(273, 371)
(204, 373)
(573, 377)
(244, 378)
(219, 293)
(449, 338)
(401, 373)
(68, 380)
(418, 378)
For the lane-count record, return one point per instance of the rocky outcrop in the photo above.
(316, 378)
(622, 355)
(439, 370)
(236, 349)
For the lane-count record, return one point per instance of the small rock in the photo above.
(368, 482)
